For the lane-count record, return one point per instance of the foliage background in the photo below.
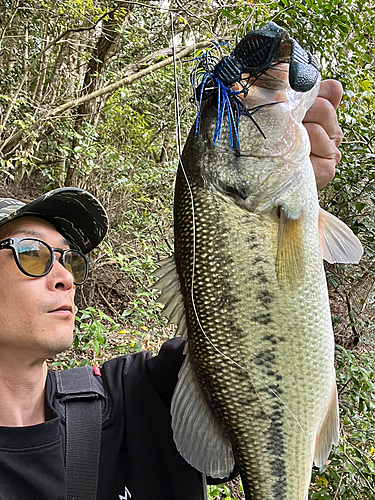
(87, 100)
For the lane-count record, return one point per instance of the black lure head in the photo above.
(260, 49)
(228, 70)
(303, 69)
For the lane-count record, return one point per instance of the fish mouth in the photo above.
(275, 78)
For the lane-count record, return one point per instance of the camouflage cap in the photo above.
(75, 213)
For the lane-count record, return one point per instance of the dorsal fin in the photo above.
(171, 296)
(198, 437)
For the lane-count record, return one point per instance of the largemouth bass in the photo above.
(247, 289)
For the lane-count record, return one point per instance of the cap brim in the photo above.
(75, 213)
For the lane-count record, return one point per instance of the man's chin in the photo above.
(54, 346)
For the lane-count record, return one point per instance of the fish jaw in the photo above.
(275, 79)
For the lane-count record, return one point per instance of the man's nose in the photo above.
(61, 275)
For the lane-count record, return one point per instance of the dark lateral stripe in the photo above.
(262, 318)
(275, 435)
(276, 442)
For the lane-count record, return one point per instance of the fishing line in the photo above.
(179, 149)
(178, 132)
(176, 101)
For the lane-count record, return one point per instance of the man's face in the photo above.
(36, 314)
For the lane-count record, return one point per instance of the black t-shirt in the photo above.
(138, 459)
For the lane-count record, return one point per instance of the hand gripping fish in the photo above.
(247, 287)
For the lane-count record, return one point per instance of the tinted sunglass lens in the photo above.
(34, 257)
(77, 265)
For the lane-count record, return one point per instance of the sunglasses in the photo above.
(35, 258)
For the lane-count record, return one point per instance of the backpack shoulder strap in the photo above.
(83, 407)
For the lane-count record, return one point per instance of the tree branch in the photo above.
(125, 81)
(135, 75)
(46, 48)
(8, 23)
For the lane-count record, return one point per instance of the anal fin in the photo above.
(329, 432)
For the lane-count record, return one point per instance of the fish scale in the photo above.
(257, 386)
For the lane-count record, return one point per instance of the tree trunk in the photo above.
(38, 92)
(96, 69)
(53, 80)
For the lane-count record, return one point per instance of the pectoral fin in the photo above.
(329, 433)
(289, 258)
(337, 241)
(196, 433)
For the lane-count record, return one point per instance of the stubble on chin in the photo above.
(57, 347)
(55, 341)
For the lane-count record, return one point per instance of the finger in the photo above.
(323, 113)
(332, 91)
(324, 170)
(321, 144)
(324, 154)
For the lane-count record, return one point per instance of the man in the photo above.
(42, 258)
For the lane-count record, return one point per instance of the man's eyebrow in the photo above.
(36, 234)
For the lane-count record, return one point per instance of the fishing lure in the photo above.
(254, 55)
